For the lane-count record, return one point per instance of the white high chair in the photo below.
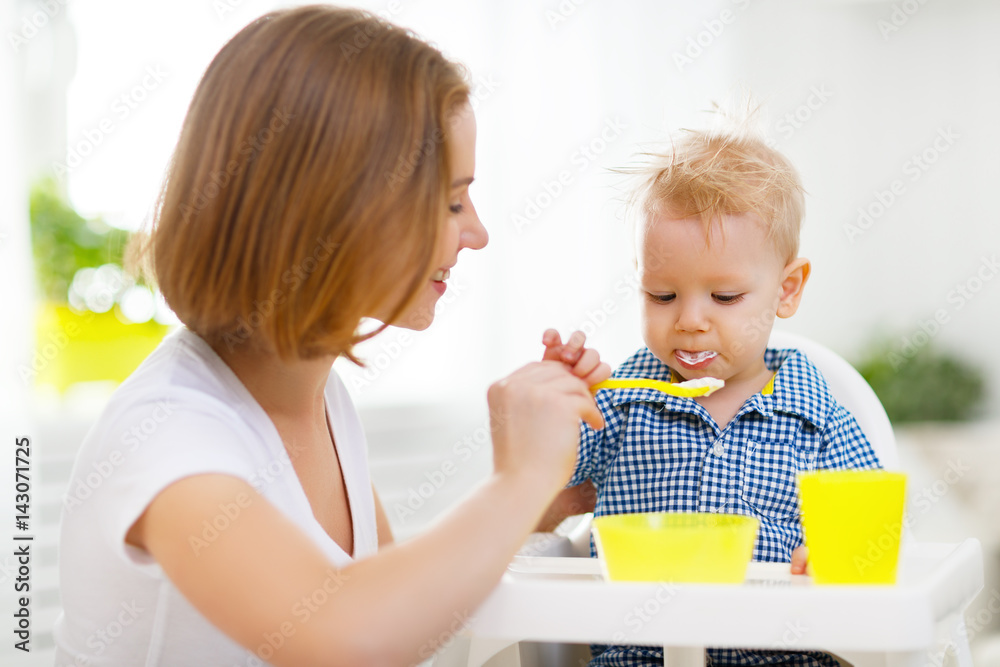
(850, 389)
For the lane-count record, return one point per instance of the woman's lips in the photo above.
(437, 280)
(695, 359)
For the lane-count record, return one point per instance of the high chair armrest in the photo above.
(570, 539)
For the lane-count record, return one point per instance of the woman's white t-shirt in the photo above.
(183, 412)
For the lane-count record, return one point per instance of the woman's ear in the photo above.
(793, 281)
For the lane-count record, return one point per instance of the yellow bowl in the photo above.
(678, 547)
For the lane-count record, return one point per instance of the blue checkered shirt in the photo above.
(661, 453)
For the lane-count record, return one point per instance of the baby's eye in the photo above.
(456, 208)
(661, 298)
(728, 298)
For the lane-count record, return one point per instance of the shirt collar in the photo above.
(799, 387)
(796, 388)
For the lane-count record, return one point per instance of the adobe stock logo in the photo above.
(914, 168)
(899, 16)
(249, 149)
(702, 41)
(31, 25)
(587, 153)
(123, 106)
(959, 297)
(795, 119)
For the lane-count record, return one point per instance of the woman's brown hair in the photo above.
(309, 184)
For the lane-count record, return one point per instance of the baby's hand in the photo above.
(800, 557)
(584, 362)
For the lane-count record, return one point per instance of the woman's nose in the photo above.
(473, 234)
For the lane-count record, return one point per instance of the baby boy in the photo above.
(717, 258)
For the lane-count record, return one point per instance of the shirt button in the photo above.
(718, 449)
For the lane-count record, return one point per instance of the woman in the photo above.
(321, 177)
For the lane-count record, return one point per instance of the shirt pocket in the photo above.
(770, 485)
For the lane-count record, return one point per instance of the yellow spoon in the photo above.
(689, 389)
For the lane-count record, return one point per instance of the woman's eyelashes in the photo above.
(456, 208)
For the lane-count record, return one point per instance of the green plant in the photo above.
(923, 384)
(63, 242)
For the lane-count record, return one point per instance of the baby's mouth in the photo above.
(695, 358)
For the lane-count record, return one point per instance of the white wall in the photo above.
(864, 98)
(552, 77)
(892, 95)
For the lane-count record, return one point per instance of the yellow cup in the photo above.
(676, 547)
(852, 521)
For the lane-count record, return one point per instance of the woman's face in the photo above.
(463, 228)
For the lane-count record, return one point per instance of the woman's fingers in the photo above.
(536, 413)
(592, 415)
(586, 406)
(585, 363)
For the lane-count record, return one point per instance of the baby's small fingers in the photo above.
(588, 361)
(574, 346)
(553, 354)
(553, 345)
(599, 374)
(800, 557)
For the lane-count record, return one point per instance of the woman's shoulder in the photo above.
(184, 368)
(182, 377)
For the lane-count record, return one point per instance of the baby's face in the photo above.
(707, 310)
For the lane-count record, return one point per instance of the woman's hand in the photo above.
(584, 362)
(535, 415)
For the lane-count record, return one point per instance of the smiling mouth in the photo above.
(441, 275)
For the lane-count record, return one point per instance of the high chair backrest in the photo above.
(851, 390)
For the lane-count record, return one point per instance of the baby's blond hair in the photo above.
(724, 172)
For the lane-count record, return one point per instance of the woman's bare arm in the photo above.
(264, 583)
(267, 585)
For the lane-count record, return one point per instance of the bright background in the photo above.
(854, 92)
(582, 86)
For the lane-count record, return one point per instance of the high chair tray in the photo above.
(576, 568)
(567, 600)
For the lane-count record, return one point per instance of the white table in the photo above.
(566, 600)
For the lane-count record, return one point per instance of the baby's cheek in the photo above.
(653, 321)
